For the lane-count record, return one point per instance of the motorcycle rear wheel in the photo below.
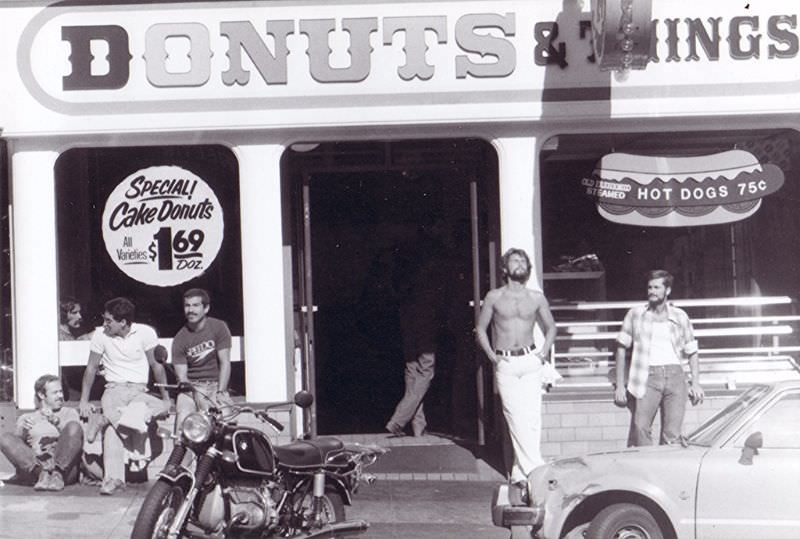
(158, 511)
(331, 507)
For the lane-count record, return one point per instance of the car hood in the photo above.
(655, 471)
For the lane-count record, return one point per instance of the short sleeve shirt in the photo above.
(43, 435)
(124, 358)
(198, 350)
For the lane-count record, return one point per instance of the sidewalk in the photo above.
(78, 511)
(395, 510)
(429, 487)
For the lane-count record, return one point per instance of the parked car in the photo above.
(736, 476)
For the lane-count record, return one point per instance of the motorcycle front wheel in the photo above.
(158, 511)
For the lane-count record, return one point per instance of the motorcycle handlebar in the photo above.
(273, 422)
(188, 387)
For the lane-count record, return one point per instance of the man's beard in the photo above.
(519, 276)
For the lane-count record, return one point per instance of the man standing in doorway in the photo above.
(124, 348)
(201, 355)
(513, 310)
(420, 280)
(46, 444)
(661, 335)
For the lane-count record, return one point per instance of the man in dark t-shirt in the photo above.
(201, 356)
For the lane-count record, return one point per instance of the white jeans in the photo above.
(115, 398)
(519, 382)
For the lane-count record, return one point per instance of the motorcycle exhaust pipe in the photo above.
(332, 530)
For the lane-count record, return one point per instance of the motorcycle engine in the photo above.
(251, 508)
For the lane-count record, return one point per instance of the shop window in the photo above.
(6, 345)
(588, 256)
(718, 210)
(149, 223)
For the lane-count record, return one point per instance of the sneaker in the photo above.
(56, 481)
(395, 429)
(111, 485)
(44, 481)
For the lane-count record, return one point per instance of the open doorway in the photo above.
(369, 220)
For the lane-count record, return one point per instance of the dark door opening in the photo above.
(378, 218)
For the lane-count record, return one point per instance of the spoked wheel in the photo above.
(158, 511)
(331, 509)
(624, 521)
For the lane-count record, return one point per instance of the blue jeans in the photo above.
(418, 376)
(666, 390)
(65, 458)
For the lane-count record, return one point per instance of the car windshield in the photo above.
(708, 431)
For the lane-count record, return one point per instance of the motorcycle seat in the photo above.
(307, 453)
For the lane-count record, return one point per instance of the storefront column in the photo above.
(35, 275)
(265, 347)
(517, 168)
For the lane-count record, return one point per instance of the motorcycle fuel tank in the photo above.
(254, 454)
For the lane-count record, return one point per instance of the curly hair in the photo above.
(64, 307)
(516, 251)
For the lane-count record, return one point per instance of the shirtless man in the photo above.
(513, 310)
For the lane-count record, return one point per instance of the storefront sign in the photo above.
(229, 55)
(163, 225)
(681, 191)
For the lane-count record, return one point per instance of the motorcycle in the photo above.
(224, 480)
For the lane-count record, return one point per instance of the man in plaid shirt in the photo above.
(662, 336)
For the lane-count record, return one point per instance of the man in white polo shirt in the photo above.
(125, 350)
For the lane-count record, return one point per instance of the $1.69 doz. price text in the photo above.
(178, 251)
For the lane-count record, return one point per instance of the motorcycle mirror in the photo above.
(303, 399)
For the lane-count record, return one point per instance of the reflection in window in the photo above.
(779, 425)
(707, 433)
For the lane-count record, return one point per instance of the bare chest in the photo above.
(516, 307)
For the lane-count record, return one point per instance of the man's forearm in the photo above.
(620, 366)
(549, 339)
(224, 375)
(161, 378)
(87, 381)
(483, 342)
(694, 368)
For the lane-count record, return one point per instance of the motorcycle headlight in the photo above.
(196, 428)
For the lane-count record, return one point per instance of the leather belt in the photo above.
(512, 353)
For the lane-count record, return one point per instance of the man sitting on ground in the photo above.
(45, 449)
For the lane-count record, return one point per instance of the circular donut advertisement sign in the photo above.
(163, 225)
